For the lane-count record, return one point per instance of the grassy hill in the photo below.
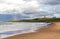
(38, 20)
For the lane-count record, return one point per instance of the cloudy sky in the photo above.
(26, 9)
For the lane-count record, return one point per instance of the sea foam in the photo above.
(13, 28)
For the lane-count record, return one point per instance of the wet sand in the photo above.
(51, 32)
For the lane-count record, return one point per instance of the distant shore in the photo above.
(52, 32)
(38, 20)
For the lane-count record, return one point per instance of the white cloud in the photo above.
(30, 6)
(19, 5)
(57, 15)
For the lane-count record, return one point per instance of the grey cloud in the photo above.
(55, 9)
(37, 13)
(51, 2)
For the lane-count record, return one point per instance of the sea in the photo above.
(8, 29)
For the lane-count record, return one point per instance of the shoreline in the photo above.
(6, 36)
(52, 32)
(31, 32)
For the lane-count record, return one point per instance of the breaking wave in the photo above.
(12, 28)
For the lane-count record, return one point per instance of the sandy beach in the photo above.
(51, 32)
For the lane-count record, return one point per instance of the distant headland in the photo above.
(54, 19)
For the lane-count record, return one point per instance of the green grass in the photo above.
(38, 20)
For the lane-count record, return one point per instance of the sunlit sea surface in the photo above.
(8, 29)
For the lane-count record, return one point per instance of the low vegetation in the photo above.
(38, 20)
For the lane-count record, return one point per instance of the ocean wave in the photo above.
(19, 28)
